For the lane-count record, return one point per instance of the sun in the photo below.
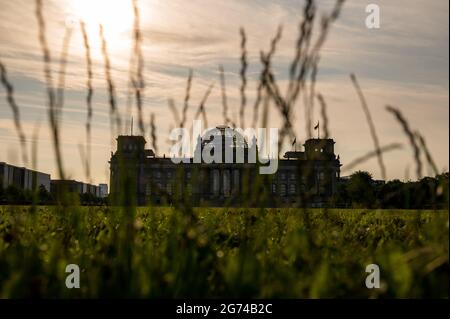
(116, 16)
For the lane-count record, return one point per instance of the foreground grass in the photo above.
(161, 252)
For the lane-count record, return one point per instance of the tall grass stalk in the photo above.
(90, 91)
(369, 119)
(410, 135)
(16, 111)
(52, 102)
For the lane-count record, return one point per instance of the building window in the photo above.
(274, 188)
(188, 175)
(148, 189)
(292, 189)
(216, 181)
(322, 190)
(236, 180)
(157, 174)
(169, 174)
(189, 189)
(292, 176)
(283, 189)
(283, 175)
(226, 183)
(169, 188)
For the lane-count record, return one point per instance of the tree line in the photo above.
(360, 190)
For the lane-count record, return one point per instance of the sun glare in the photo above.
(116, 16)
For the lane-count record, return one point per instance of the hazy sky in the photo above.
(404, 63)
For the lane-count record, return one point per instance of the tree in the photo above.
(442, 190)
(391, 195)
(14, 195)
(43, 195)
(360, 189)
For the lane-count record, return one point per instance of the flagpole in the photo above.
(318, 129)
(131, 126)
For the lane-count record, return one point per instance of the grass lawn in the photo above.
(217, 252)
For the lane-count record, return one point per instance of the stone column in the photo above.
(333, 181)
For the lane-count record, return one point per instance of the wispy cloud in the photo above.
(405, 63)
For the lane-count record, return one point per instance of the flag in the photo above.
(317, 126)
(295, 141)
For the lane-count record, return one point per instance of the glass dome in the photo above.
(224, 136)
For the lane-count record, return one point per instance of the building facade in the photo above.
(22, 177)
(103, 190)
(60, 186)
(303, 178)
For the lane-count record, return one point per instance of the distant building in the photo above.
(59, 186)
(310, 177)
(103, 190)
(22, 177)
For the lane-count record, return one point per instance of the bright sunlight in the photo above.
(116, 16)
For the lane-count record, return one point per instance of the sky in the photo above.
(403, 63)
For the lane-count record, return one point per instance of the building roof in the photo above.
(225, 136)
(294, 154)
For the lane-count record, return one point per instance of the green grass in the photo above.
(160, 252)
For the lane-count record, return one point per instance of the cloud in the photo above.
(405, 63)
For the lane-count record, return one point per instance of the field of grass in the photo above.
(163, 252)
